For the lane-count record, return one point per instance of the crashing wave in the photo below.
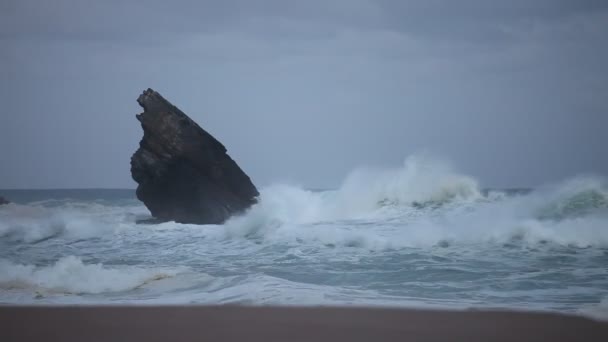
(421, 181)
(577, 198)
(40, 221)
(426, 204)
(71, 275)
(366, 193)
(423, 203)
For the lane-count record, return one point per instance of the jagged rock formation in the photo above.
(184, 173)
(3, 201)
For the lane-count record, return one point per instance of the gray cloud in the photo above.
(512, 92)
(468, 19)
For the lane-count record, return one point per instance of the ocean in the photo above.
(419, 236)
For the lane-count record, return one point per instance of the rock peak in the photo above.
(184, 173)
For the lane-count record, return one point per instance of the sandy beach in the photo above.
(231, 323)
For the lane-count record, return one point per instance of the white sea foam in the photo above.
(598, 311)
(36, 222)
(423, 203)
(426, 203)
(421, 233)
(71, 275)
(365, 194)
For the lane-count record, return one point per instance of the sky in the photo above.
(514, 93)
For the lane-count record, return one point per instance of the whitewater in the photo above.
(420, 235)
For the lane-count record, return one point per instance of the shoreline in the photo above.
(263, 323)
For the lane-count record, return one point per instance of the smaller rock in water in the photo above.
(3, 201)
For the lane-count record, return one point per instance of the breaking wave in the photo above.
(576, 198)
(71, 275)
(598, 311)
(421, 233)
(424, 203)
(366, 193)
(78, 220)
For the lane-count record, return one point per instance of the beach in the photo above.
(241, 323)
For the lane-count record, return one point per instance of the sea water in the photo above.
(420, 235)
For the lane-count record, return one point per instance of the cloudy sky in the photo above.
(513, 92)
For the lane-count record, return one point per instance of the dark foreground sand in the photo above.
(230, 323)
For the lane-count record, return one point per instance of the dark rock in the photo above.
(3, 201)
(184, 173)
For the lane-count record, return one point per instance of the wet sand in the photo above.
(232, 323)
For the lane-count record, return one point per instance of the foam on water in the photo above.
(598, 311)
(425, 203)
(70, 275)
(45, 219)
(422, 203)
(421, 234)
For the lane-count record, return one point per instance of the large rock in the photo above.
(3, 201)
(184, 173)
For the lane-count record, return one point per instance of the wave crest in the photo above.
(71, 275)
(366, 193)
(577, 198)
(40, 221)
(421, 181)
(425, 203)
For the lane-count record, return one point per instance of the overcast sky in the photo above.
(512, 92)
